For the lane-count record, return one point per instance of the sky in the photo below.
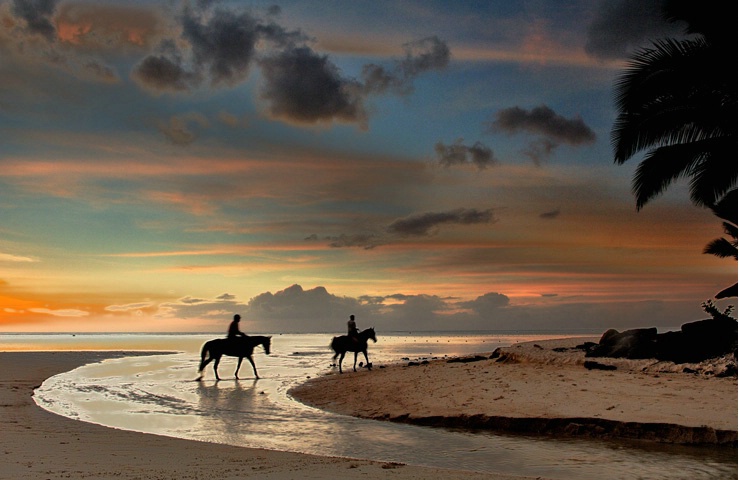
(423, 165)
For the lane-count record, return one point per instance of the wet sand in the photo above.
(37, 444)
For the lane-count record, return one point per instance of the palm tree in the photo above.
(678, 100)
(726, 209)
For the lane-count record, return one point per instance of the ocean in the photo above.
(159, 394)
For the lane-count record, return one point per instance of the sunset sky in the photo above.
(424, 165)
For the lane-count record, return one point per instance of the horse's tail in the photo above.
(204, 353)
(333, 347)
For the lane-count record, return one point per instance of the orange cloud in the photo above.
(98, 27)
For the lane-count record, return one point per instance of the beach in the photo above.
(528, 388)
(533, 388)
(37, 444)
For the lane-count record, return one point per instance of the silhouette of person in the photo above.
(233, 328)
(352, 327)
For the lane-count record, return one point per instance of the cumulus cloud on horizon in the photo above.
(297, 309)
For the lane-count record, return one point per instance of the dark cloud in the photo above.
(487, 305)
(304, 87)
(37, 15)
(423, 55)
(423, 224)
(222, 48)
(551, 215)
(366, 241)
(299, 85)
(553, 128)
(543, 121)
(224, 45)
(460, 154)
(164, 73)
(621, 26)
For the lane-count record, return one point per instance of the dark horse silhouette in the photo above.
(235, 347)
(345, 343)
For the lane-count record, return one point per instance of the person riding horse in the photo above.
(233, 329)
(352, 328)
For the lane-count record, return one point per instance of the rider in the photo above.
(352, 327)
(233, 328)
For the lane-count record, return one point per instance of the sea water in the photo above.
(159, 394)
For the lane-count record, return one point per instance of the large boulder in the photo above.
(636, 343)
(695, 342)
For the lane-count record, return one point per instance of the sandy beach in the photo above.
(532, 388)
(36, 444)
(528, 388)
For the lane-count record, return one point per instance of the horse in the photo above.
(235, 347)
(345, 343)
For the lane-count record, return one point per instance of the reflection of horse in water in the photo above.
(235, 347)
(345, 343)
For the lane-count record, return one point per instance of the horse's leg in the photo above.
(366, 359)
(238, 366)
(341, 359)
(355, 361)
(204, 363)
(217, 360)
(251, 360)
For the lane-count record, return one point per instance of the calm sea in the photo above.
(159, 394)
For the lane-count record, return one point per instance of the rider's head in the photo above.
(237, 317)
(351, 317)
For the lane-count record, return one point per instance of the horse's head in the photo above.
(266, 344)
(370, 332)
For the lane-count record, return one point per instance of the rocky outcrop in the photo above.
(695, 342)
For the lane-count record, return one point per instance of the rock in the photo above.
(636, 343)
(476, 358)
(590, 365)
(729, 371)
(694, 343)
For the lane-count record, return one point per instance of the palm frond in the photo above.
(726, 207)
(663, 165)
(721, 248)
